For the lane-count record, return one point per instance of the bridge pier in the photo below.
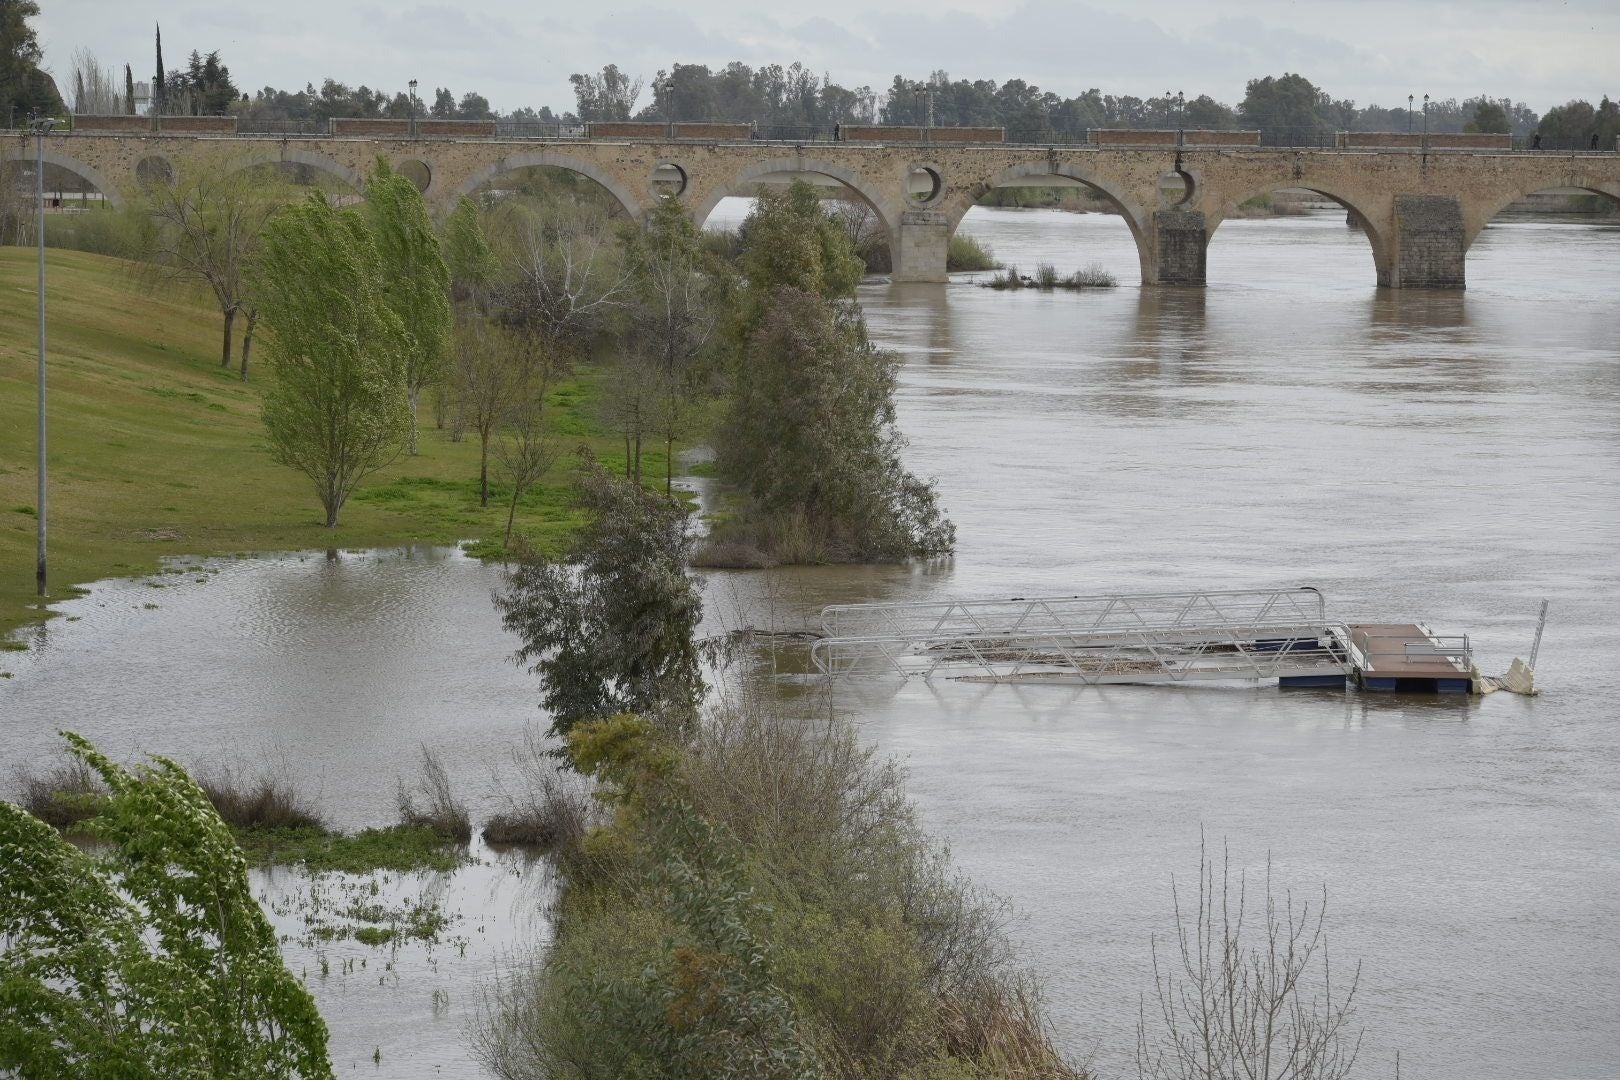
(1431, 244)
(1180, 244)
(917, 247)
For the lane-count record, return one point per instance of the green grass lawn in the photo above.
(155, 450)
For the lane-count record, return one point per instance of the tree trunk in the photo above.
(511, 512)
(638, 457)
(669, 465)
(225, 350)
(627, 453)
(247, 341)
(483, 468)
(414, 393)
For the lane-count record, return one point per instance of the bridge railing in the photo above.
(247, 125)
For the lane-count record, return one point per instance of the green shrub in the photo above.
(966, 253)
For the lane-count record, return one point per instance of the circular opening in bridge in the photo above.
(417, 172)
(154, 170)
(1175, 188)
(668, 180)
(924, 184)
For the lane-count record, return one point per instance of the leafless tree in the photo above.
(570, 280)
(1255, 1007)
(95, 88)
(525, 450)
(209, 221)
(488, 377)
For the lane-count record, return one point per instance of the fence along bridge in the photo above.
(1254, 635)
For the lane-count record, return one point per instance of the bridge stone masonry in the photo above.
(1420, 208)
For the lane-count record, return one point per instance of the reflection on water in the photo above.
(1447, 456)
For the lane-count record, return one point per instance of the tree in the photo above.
(608, 96)
(444, 104)
(570, 280)
(673, 315)
(1228, 1005)
(129, 90)
(209, 223)
(416, 281)
(1287, 108)
(149, 958)
(809, 437)
(1491, 117)
(23, 86)
(337, 409)
(790, 240)
(474, 107)
(488, 380)
(610, 627)
(466, 251)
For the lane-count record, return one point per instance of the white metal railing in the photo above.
(1299, 606)
(1151, 637)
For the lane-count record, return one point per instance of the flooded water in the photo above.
(1446, 457)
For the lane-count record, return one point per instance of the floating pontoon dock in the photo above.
(1245, 635)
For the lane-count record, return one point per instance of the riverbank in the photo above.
(155, 450)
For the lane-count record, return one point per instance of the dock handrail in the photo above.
(1139, 611)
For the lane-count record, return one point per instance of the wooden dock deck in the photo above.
(1409, 656)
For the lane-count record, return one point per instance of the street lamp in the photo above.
(1409, 114)
(412, 85)
(41, 127)
(1425, 121)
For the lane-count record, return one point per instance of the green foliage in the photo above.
(466, 250)
(1287, 104)
(789, 240)
(1490, 117)
(23, 86)
(338, 409)
(966, 253)
(609, 628)
(809, 436)
(150, 960)
(415, 280)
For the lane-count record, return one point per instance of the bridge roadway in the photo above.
(1420, 209)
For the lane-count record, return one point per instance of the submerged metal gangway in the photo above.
(1282, 634)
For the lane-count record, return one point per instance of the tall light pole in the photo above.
(1409, 114)
(40, 126)
(1425, 121)
(412, 85)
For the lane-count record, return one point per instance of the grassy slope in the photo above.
(154, 450)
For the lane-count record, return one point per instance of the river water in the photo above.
(1453, 458)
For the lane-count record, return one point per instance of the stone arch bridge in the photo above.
(1420, 209)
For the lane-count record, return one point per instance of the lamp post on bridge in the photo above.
(1409, 114)
(412, 85)
(1425, 121)
(41, 127)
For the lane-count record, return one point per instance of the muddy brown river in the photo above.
(1449, 457)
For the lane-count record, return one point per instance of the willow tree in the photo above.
(337, 409)
(415, 278)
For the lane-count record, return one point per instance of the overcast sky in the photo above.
(521, 52)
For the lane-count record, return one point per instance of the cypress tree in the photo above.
(157, 83)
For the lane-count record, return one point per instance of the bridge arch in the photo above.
(852, 180)
(1137, 218)
(68, 163)
(293, 155)
(1482, 211)
(1369, 218)
(550, 159)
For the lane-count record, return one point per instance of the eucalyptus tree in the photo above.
(415, 278)
(337, 408)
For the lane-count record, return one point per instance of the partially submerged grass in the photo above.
(400, 848)
(63, 796)
(551, 810)
(967, 253)
(264, 800)
(1046, 279)
(431, 805)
